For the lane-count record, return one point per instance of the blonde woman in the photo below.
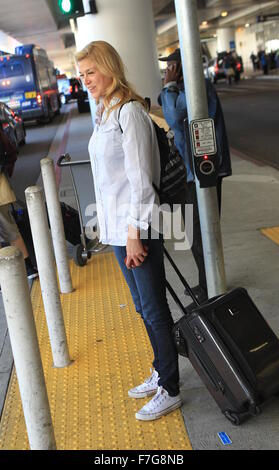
(125, 161)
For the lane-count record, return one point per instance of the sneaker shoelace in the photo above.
(159, 397)
(151, 378)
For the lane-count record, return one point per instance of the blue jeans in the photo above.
(148, 289)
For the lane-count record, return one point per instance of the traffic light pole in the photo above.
(189, 38)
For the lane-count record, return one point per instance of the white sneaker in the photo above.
(147, 388)
(159, 405)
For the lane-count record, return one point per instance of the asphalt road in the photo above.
(38, 141)
(251, 110)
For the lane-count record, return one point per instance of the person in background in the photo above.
(238, 66)
(173, 102)
(264, 62)
(9, 233)
(125, 162)
(254, 61)
(230, 66)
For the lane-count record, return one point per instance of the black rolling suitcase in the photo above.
(22, 220)
(232, 348)
(71, 223)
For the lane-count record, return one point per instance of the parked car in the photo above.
(216, 68)
(205, 62)
(64, 87)
(75, 87)
(239, 69)
(13, 125)
(82, 98)
(71, 89)
(83, 102)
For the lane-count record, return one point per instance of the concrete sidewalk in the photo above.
(259, 75)
(250, 203)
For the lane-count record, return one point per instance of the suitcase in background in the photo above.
(22, 220)
(233, 350)
(71, 224)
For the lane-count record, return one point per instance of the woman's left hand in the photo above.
(136, 251)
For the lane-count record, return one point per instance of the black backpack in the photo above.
(173, 172)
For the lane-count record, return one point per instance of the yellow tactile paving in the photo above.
(272, 233)
(111, 352)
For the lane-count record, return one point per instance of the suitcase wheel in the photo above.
(256, 410)
(234, 418)
(80, 255)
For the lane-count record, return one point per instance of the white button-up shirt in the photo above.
(124, 166)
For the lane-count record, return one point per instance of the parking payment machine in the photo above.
(204, 151)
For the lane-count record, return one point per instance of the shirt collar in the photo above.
(101, 112)
(112, 103)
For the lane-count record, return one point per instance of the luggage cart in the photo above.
(84, 250)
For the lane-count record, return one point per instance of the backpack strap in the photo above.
(153, 184)
(118, 117)
(148, 101)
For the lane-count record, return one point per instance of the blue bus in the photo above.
(28, 83)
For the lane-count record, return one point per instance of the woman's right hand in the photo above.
(136, 251)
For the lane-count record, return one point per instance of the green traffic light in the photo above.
(66, 6)
(70, 8)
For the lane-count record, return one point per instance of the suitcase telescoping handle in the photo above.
(184, 282)
(174, 296)
(65, 160)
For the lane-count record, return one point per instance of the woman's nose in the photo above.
(86, 80)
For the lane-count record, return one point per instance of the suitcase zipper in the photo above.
(241, 383)
(217, 385)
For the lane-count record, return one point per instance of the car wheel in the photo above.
(83, 107)
(21, 136)
(23, 140)
(15, 141)
(49, 115)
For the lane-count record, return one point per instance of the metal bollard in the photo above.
(26, 353)
(56, 224)
(47, 273)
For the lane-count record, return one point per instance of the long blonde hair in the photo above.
(109, 63)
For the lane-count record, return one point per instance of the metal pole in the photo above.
(189, 38)
(46, 267)
(56, 224)
(24, 342)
